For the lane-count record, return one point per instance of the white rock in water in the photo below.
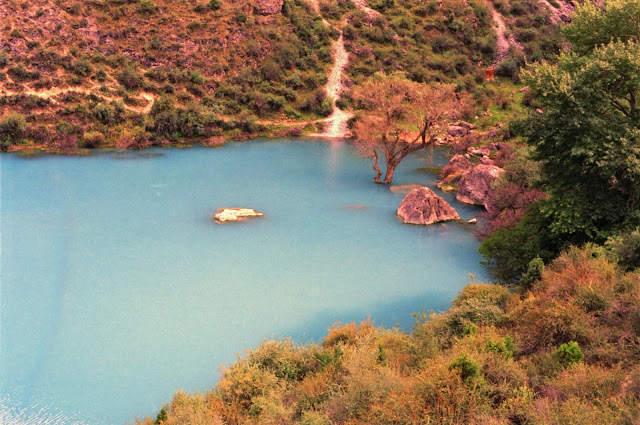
(235, 214)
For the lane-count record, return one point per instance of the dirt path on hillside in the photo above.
(337, 126)
(362, 5)
(504, 41)
(51, 93)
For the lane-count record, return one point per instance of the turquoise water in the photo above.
(117, 288)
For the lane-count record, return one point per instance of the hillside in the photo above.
(565, 352)
(88, 74)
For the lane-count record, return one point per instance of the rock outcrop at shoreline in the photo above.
(454, 172)
(476, 184)
(423, 206)
(235, 214)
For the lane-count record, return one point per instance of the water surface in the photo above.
(117, 288)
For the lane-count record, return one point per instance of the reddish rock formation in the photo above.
(454, 171)
(457, 131)
(477, 183)
(422, 206)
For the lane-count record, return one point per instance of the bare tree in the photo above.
(400, 116)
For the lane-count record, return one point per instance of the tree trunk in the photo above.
(388, 177)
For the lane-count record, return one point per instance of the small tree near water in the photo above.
(400, 116)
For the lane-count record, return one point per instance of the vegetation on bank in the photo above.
(566, 351)
(562, 346)
(87, 74)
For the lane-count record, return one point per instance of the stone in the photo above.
(457, 131)
(454, 171)
(487, 161)
(235, 214)
(477, 183)
(466, 125)
(422, 206)
(404, 188)
(268, 7)
(473, 221)
(458, 164)
(481, 151)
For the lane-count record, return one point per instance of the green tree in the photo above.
(587, 138)
(590, 27)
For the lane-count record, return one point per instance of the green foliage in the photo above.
(147, 7)
(161, 417)
(130, 78)
(626, 249)
(506, 346)
(533, 273)
(568, 354)
(468, 368)
(12, 130)
(591, 27)
(476, 304)
(106, 114)
(587, 139)
(509, 251)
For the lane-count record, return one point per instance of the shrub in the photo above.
(146, 7)
(104, 113)
(130, 78)
(568, 354)
(82, 68)
(505, 346)
(625, 248)
(92, 139)
(468, 368)
(12, 130)
(533, 273)
(19, 73)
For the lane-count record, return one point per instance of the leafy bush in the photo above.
(626, 249)
(130, 78)
(568, 354)
(468, 368)
(12, 130)
(506, 346)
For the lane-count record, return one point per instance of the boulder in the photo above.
(268, 7)
(457, 131)
(466, 125)
(235, 214)
(454, 171)
(457, 165)
(422, 206)
(477, 183)
(481, 151)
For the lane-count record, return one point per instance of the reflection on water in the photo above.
(117, 289)
(35, 413)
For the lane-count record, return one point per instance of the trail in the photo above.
(51, 93)
(337, 122)
(362, 5)
(561, 14)
(504, 41)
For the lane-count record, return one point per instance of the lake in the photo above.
(117, 289)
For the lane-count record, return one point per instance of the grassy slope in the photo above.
(98, 66)
(492, 358)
